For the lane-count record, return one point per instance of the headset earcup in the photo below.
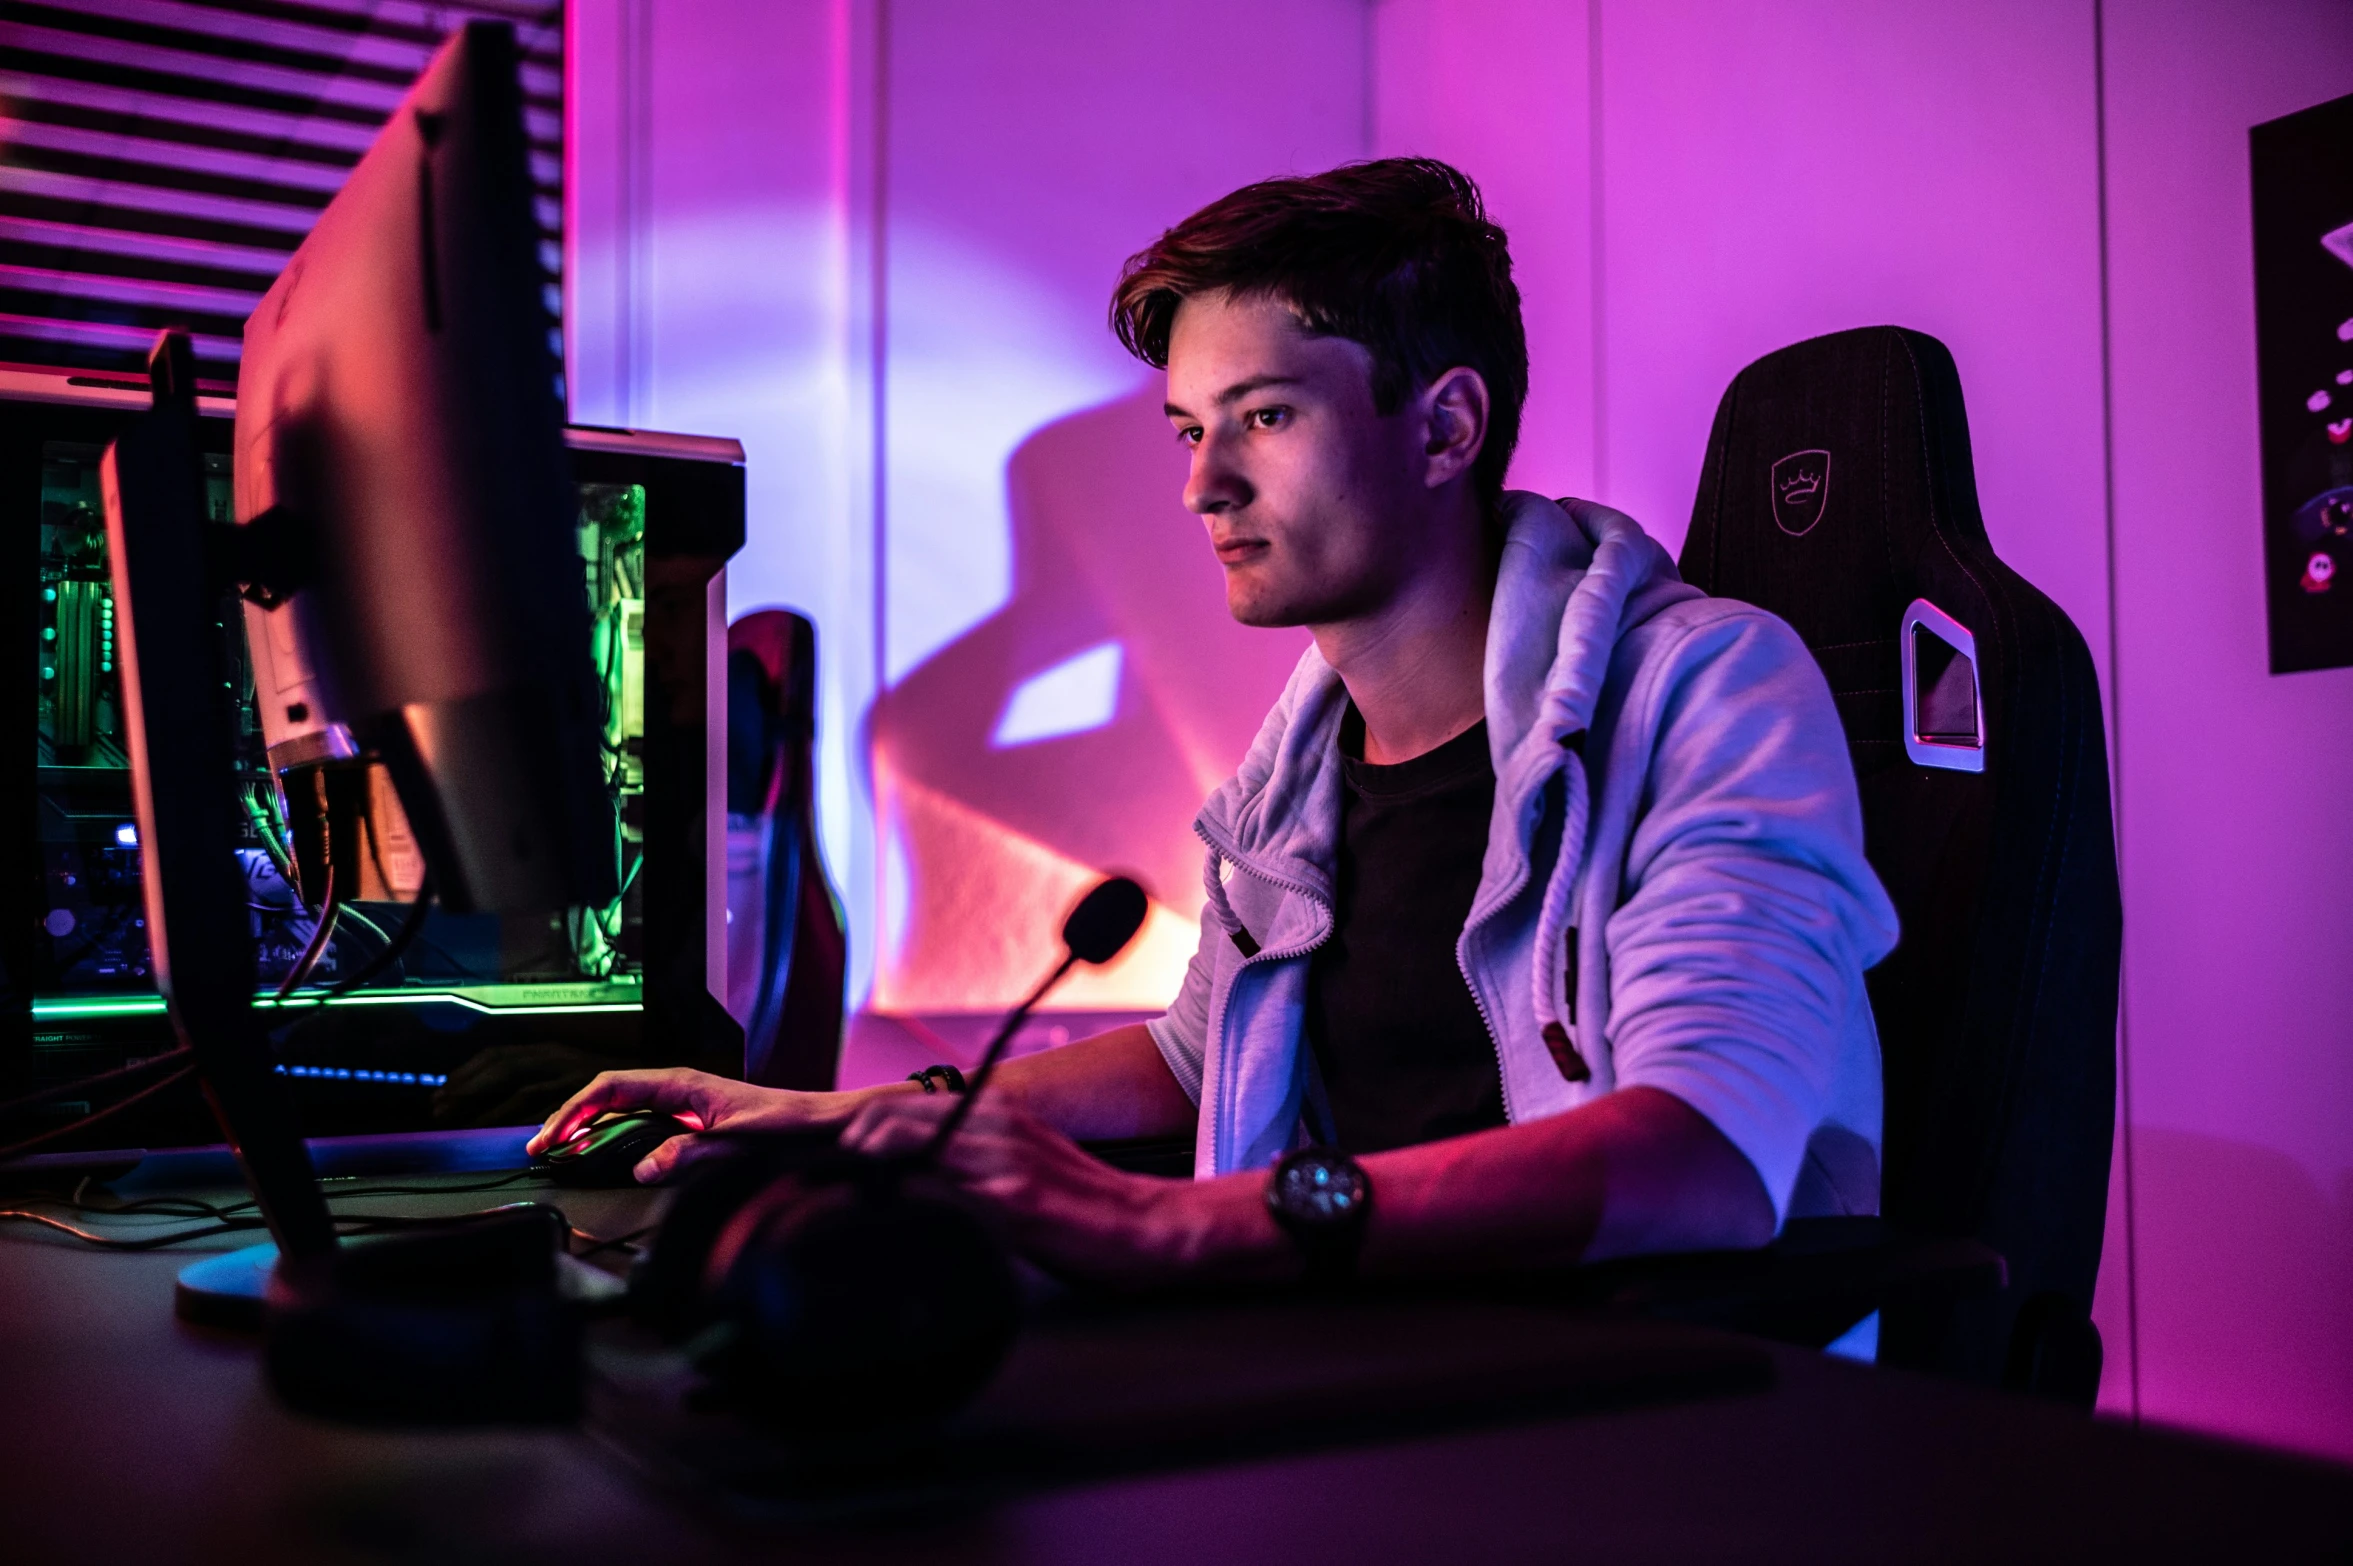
(859, 1303)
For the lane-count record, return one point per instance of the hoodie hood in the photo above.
(1574, 577)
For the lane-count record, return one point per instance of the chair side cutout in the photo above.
(1944, 700)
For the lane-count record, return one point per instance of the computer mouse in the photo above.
(603, 1152)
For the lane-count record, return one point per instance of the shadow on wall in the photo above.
(2246, 1270)
(1074, 731)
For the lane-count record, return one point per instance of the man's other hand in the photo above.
(1073, 1214)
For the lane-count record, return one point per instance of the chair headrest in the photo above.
(1838, 488)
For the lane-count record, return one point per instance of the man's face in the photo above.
(1311, 497)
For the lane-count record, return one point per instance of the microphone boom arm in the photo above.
(988, 1061)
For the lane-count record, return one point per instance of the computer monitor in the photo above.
(436, 671)
(400, 424)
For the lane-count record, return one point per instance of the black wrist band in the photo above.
(934, 1077)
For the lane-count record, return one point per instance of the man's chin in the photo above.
(1267, 601)
(1264, 614)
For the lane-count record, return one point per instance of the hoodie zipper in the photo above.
(1494, 1039)
(1520, 883)
(1265, 954)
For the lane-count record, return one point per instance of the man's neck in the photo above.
(1416, 666)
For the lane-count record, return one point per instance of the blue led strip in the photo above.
(364, 1074)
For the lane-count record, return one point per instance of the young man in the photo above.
(1542, 890)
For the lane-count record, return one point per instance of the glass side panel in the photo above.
(92, 955)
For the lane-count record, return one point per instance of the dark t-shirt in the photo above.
(1404, 1054)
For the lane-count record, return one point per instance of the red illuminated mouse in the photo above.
(603, 1153)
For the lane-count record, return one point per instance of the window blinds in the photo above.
(160, 159)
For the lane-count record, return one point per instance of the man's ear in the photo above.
(1454, 413)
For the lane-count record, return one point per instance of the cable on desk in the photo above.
(371, 1222)
(617, 1242)
(197, 1207)
(358, 1224)
(111, 1242)
(152, 1207)
(510, 1178)
(233, 1217)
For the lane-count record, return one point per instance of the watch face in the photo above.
(1320, 1188)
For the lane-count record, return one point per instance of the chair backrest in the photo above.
(787, 953)
(1838, 494)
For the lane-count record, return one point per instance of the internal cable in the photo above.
(263, 820)
(137, 1068)
(368, 971)
(322, 932)
(259, 815)
(18, 1149)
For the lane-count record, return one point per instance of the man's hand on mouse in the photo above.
(703, 1101)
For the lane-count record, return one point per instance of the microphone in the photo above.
(850, 1300)
(1098, 929)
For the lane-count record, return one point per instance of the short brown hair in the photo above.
(1398, 255)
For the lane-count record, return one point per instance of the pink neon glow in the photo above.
(880, 241)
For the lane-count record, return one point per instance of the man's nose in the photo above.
(1213, 487)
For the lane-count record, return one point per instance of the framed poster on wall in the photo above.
(2303, 207)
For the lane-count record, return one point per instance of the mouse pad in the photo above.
(1094, 1391)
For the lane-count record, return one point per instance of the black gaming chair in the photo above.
(1838, 494)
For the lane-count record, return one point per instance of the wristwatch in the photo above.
(1322, 1197)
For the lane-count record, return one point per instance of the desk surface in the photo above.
(130, 1437)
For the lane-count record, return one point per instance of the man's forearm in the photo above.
(1105, 1088)
(1635, 1172)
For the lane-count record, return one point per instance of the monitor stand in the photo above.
(168, 575)
(232, 1290)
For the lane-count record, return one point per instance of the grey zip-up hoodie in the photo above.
(1674, 891)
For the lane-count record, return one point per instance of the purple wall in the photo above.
(1062, 683)
(875, 239)
(2238, 846)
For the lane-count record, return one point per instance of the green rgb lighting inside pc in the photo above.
(90, 955)
(487, 1019)
(92, 948)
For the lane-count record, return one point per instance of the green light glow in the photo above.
(492, 1000)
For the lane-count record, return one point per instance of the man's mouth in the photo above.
(1233, 551)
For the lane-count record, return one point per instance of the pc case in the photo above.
(508, 1009)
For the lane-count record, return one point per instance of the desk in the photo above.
(129, 1437)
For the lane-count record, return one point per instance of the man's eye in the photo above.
(1269, 418)
(1190, 435)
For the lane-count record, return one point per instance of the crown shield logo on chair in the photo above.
(1801, 484)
